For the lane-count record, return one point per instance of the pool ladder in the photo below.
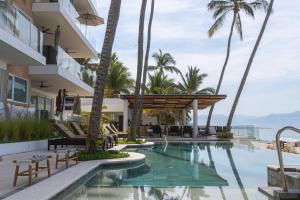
(166, 141)
(282, 174)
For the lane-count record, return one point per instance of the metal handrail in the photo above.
(282, 175)
(166, 141)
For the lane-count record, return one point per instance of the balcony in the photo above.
(74, 36)
(86, 6)
(20, 41)
(61, 72)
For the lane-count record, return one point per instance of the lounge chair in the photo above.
(71, 139)
(113, 130)
(77, 129)
(112, 134)
(187, 130)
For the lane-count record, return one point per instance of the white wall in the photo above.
(19, 147)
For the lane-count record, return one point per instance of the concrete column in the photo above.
(195, 118)
(184, 116)
(125, 116)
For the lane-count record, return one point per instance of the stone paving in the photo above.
(7, 169)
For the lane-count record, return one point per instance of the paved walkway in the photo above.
(7, 169)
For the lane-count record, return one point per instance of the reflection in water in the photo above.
(177, 172)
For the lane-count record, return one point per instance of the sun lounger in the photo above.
(77, 129)
(119, 133)
(113, 132)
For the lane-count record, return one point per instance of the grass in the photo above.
(86, 156)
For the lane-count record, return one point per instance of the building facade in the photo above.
(41, 42)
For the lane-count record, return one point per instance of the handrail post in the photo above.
(282, 174)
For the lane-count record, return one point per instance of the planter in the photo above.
(20, 147)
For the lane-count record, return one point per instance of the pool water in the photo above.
(186, 171)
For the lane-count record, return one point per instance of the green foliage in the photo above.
(191, 82)
(119, 80)
(160, 84)
(85, 156)
(132, 142)
(224, 135)
(25, 130)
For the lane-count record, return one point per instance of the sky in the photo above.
(180, 28)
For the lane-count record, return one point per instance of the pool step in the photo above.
(292, 173)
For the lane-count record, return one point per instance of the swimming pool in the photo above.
(186, 171)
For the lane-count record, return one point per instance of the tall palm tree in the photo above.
(221, 9)
(145, 71)
(135, 123)
(164, 62)
(119, 80)
(191, 82)
(257, 4)
(102, 72)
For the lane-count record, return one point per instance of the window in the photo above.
(17, 89)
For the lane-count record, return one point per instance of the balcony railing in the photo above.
(73, 14)
(14, 22)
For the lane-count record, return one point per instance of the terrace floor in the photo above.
(7, 169)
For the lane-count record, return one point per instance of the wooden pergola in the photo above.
(178, 101)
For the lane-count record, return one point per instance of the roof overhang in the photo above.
(50, 15)
(175, 101)
(58, 78)
(86, 6)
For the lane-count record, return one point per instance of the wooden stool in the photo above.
(33, 169)
(66, 158)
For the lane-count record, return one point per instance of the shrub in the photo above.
(224, 135)
(85, 156)
(24, 130)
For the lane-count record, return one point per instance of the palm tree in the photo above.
(141, 100)
(257, 4)
(160, 84)
(191, 82)
(221, 9)
(164, 62)
(102, 72)
(119, 80)
(135, 123)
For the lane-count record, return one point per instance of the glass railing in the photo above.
(65, 61)
(14, 22)
(73, 14)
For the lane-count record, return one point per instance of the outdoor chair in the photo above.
(68, 155)
(175, 131)
(33, 167)
(187, 130)
(156, 130)
(77, 129)
(116, 131)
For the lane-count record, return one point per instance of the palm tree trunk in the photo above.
(222, 72)
(236, 174)
(141, 97)
(102, 72)
(242, 84)
(135, 123)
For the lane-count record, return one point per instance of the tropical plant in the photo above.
(145, 71)
(164, 62)
(160, 84)
(135, 123)
(102, 73)
(268, 7)
(191, 82)
(221, 9)
(119, 80)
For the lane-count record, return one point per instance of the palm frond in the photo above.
(206, 91)
(238, 26)
(215, 4)
(260, 4)
(246, 8)
(220, 10)
(217, 25)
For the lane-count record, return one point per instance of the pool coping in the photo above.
(53, 186)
